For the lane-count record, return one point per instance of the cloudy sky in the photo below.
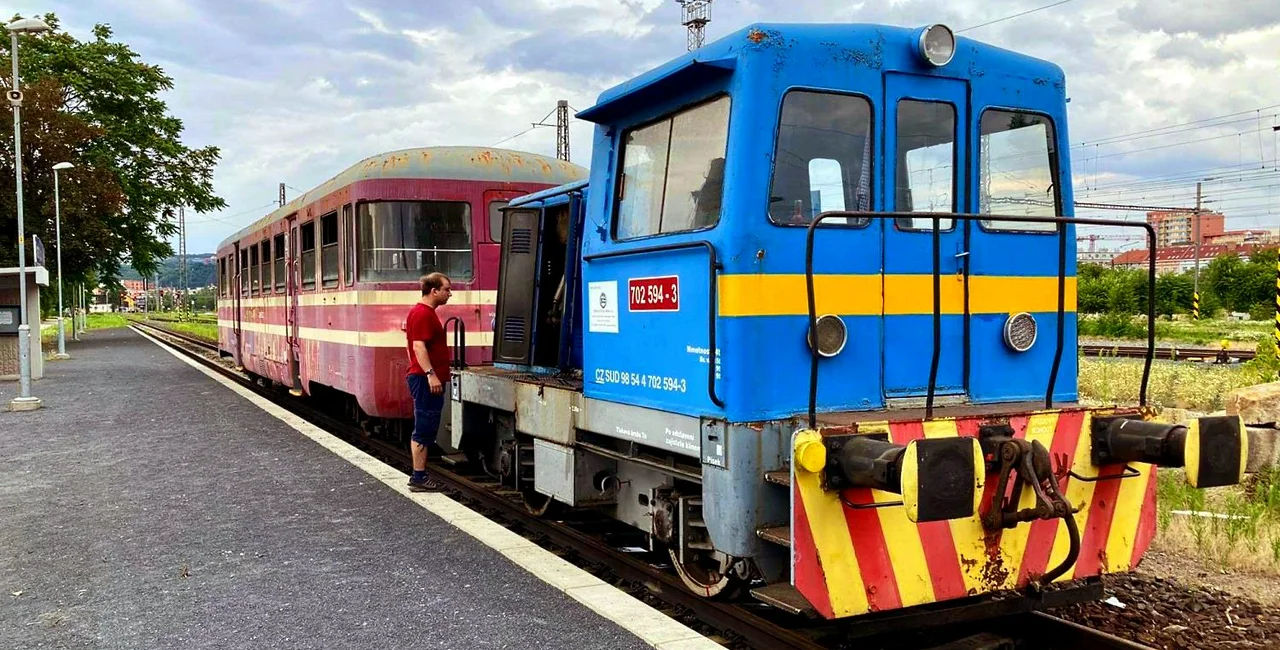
(1163, 92)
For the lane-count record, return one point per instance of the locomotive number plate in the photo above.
(654, 294)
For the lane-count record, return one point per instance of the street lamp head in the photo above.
(63, 165)
(28, 26)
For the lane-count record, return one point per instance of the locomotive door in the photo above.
(926, 164)
(291, 306)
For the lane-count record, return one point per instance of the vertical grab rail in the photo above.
(459, 341)
(1061, 222)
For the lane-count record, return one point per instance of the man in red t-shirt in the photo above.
(427, 349)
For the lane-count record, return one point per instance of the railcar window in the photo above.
(244, 272)
(1017, 158)
(495, 220)
(403, 240)
(329, 250)
(307, 260)
(266, 266)
(926, 155)
(253, 270)
(823, 158)
(673, 172)
(350, 233)
(279, 263)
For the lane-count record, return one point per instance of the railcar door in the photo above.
(291, 305)
(926, 164)
(236, 305)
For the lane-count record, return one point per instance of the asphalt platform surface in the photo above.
(146, 506)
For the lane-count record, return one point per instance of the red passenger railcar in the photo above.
(314, 295)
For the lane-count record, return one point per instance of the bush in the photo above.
(1113, 325)
(1265, 367)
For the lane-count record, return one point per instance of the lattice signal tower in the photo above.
(697, 13)
(562, 129)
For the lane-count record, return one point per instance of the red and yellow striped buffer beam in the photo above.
(891, 515)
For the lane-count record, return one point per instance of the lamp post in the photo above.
(57, 211)
(24, 401)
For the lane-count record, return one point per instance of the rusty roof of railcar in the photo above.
(452, 163)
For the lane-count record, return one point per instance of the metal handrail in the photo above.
(711, 301)
(459, 341)
(1061, 222)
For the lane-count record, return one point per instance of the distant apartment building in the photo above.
(1177, 228)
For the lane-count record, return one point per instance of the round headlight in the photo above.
(937, 45)
(1020, 332)
(832, 335)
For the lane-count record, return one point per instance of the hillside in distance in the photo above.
(201, 272)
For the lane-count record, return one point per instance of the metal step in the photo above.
(784, 597)
(454, 459)
(780, 535)
(779, 477)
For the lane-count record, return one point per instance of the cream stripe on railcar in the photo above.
(391, 339)
(406, 298)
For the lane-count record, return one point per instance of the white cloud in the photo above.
(297, 92)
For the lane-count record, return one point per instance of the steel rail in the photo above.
(1170, 353)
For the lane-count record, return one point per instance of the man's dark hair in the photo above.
(432, 281)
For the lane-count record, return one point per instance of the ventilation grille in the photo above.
(513, 329)
(521, 241)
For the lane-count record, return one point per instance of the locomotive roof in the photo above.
(872, 46)
(453, 163)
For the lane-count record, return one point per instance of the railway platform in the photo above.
(149, 506)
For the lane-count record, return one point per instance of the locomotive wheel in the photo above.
(705, 576)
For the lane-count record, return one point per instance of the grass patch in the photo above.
(206, 331)
(1243, 531)
(1193, 332)
(92, 322)
(104, 321)
(1198, 387)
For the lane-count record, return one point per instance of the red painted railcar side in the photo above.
(347, 333)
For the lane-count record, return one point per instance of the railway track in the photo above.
(585, 539)
(1217, 355)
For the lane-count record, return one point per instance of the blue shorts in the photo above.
(426, 410)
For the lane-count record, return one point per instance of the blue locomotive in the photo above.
(810, 326)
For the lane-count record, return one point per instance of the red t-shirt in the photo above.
(424, 325)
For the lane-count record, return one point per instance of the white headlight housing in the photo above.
(832, 335)
(1020, 332)
(937, 45)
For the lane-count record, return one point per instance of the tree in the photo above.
(1173, 294)
(96, 104)
(1222, 277)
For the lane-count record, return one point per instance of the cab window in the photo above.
(672, 172)
(495, 220)
(1017, 155)
(822, 160)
